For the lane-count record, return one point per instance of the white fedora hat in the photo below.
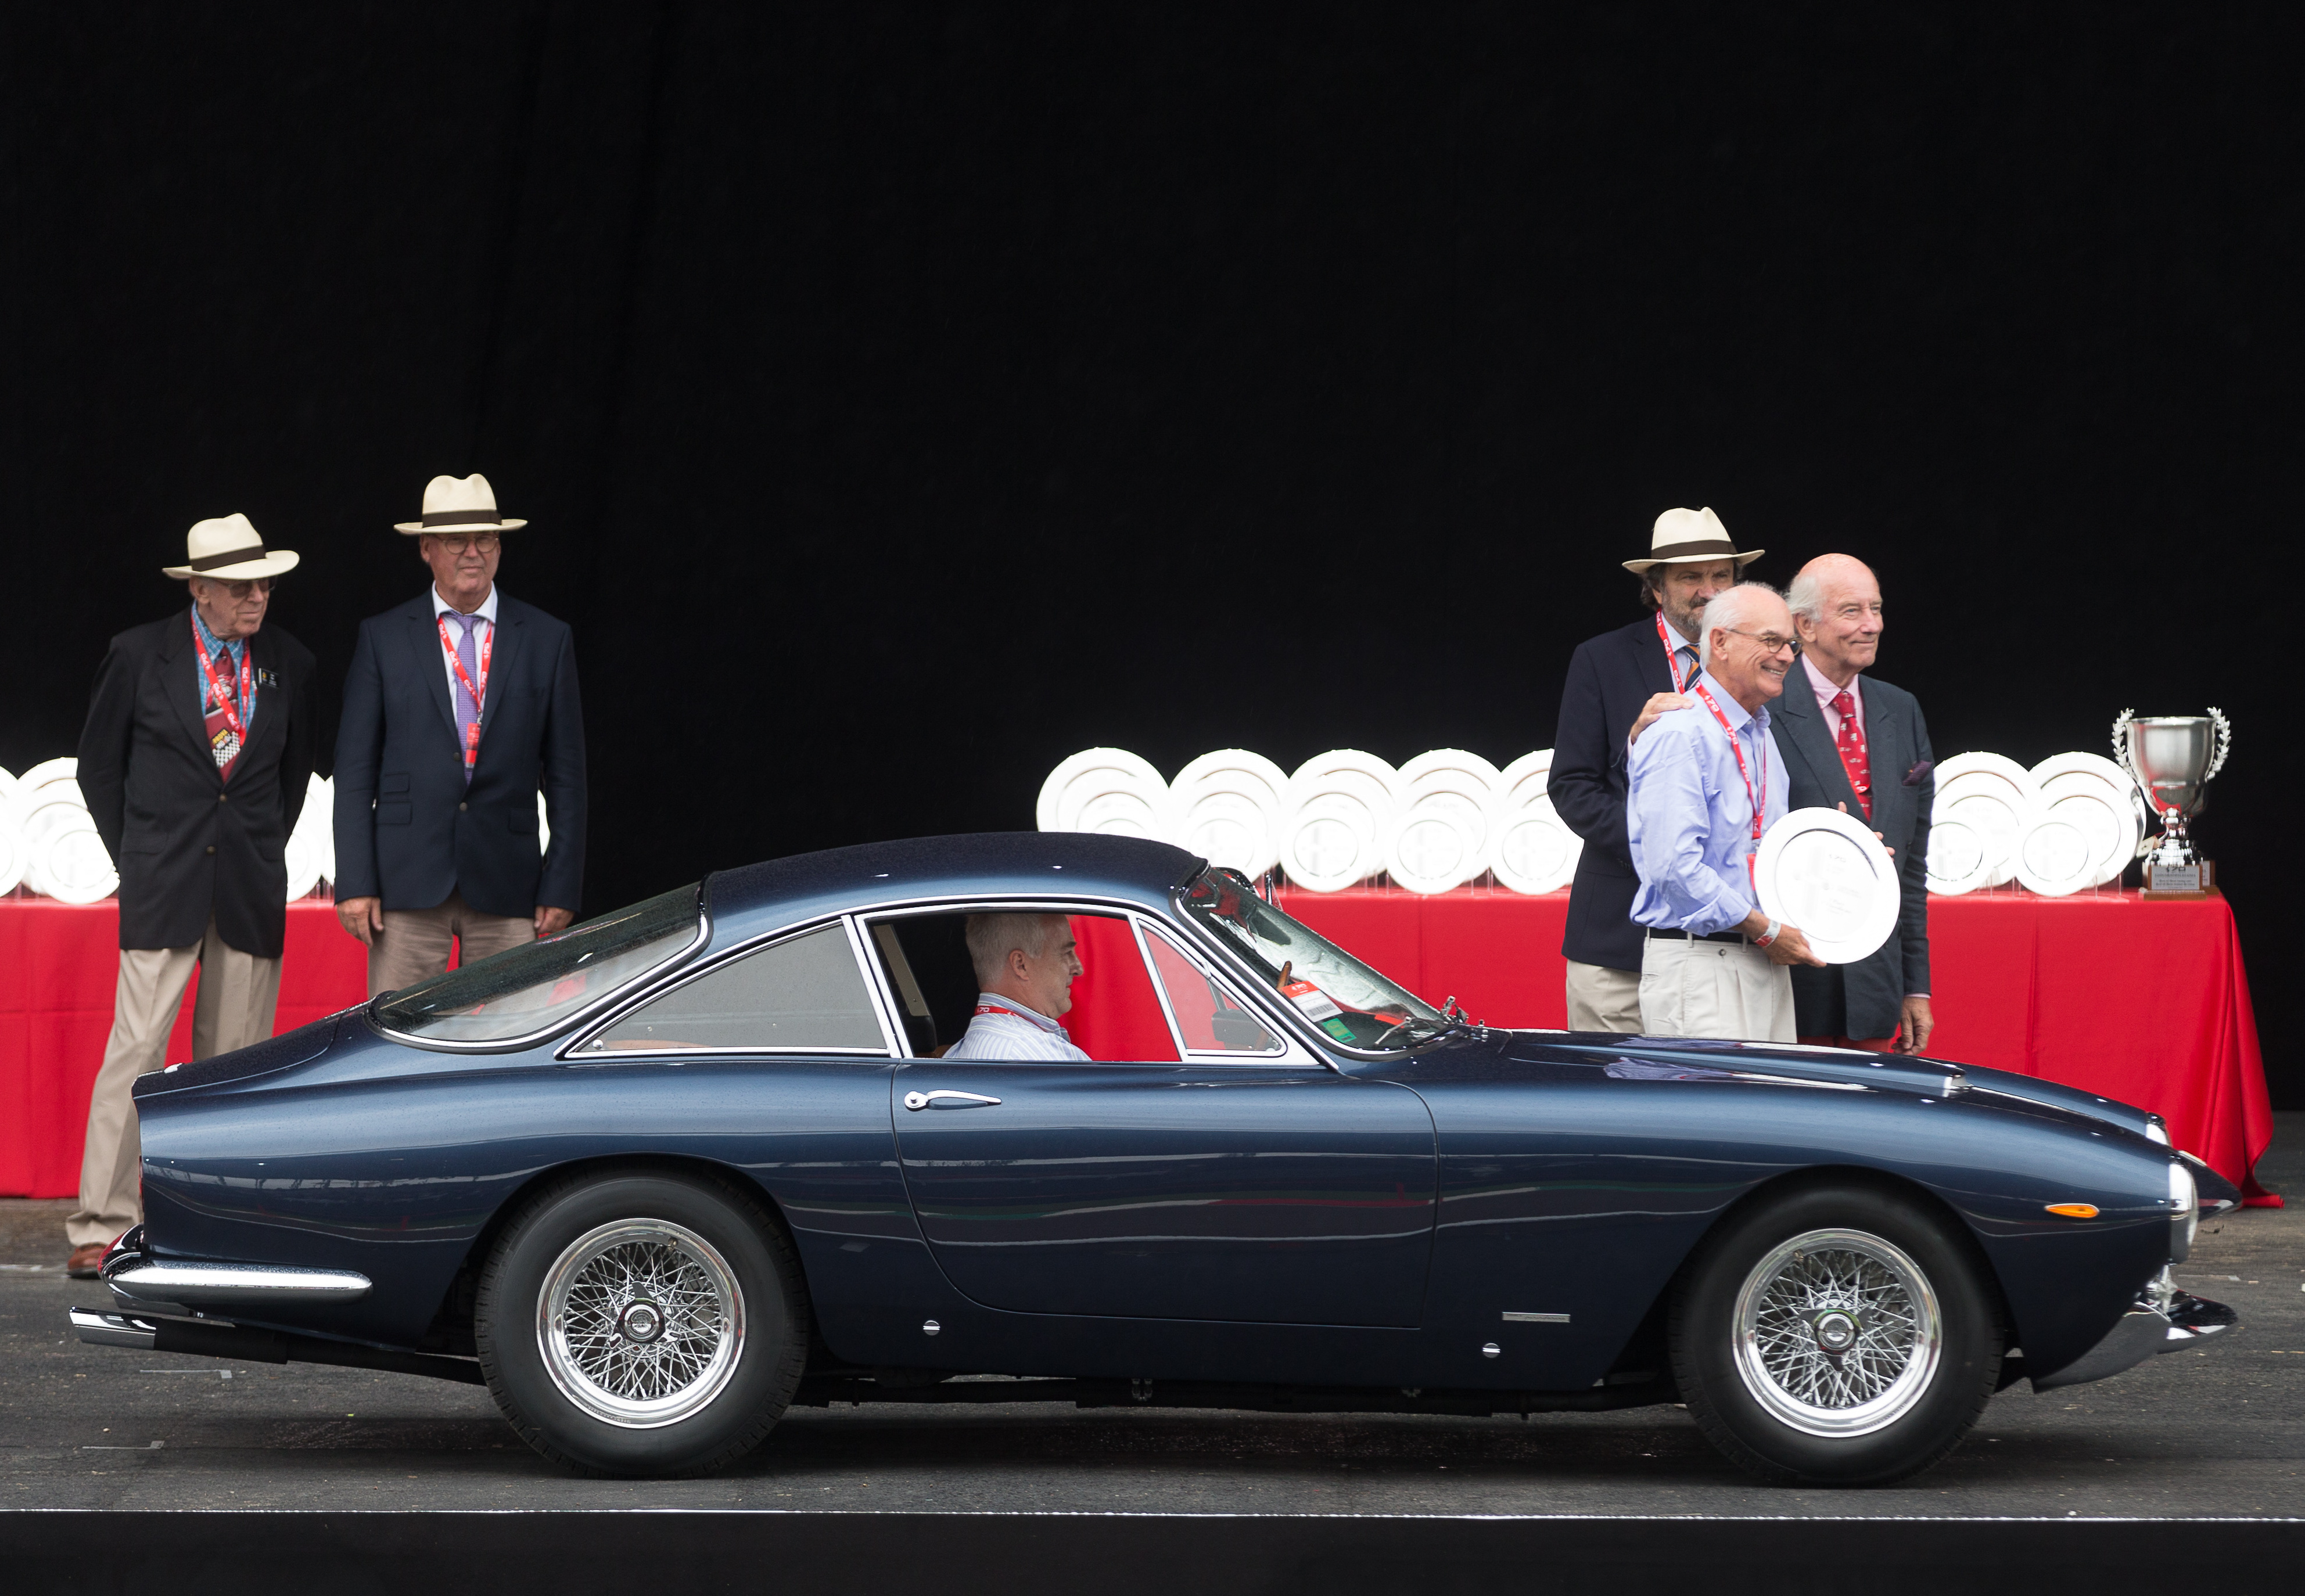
(459, 505)
(1683, 536)
(230, 549)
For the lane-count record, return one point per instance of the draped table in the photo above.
(58, 963)
(2145, 1002)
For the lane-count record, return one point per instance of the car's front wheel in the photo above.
(1840, 1335)
(643, 1323)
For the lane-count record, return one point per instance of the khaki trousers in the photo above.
(238, 994)
(1603, 999)
(414, 943)
(1723, 989)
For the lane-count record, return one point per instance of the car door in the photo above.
(1238, 1177)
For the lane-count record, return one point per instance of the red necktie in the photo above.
(1852, 750)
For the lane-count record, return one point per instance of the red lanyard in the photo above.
(479, 693)
(225, 700)
(1672, 657)
(994, 1008)
(1737, 749)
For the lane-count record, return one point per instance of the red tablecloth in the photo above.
(2144, 1002)
(58, 965)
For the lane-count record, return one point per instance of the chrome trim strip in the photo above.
(112, 1329)
(581, 1017)
(1536, 1319)
(237, 1283)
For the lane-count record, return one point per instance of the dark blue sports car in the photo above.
(658, 1178)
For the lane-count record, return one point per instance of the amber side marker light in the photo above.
(2074, 1210)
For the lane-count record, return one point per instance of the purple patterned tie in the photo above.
(467, 712)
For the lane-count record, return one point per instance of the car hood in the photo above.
(1655, 1058)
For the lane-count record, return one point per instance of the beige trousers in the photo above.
(238, 994)
(1714, 989)
(1603, 999)
(414, 944)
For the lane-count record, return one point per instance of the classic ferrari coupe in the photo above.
(661, 1177)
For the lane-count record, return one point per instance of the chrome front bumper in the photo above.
(2164, 1319)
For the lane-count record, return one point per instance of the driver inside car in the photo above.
(1025, 965)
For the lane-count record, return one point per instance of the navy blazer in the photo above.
(408, 829)
(1865, 1000)
(1609, 677)
(187, 843)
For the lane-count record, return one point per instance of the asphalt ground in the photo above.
(2206, 1434)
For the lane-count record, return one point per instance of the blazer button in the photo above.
(461, 808)
(211, 847)
(221, 797)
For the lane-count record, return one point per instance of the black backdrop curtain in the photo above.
(904, 396)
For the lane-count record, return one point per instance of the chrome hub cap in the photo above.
(1837, 1333)
(641, 1323)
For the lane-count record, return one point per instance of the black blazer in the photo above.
(408, 829)
(1609, 677)
(1866, 999)
(187, 843)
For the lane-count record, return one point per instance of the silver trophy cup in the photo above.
(2173, 758)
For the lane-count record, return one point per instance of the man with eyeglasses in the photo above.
(194, 760)
(461, 706)
(1618, 682)
(1703, 782)
(1861, 745)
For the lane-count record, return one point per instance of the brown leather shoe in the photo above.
(81, 1266)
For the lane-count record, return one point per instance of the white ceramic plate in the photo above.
(304, 862)
(1226, 807)
(7, 784)
(1525, 779)
(1993, 797)
(1825, 872)
(1363, 778)
(1331, 842)
(73, 864)
(1961, 857)
(1450, 778)
(12, 858)
(1532, 850)
(2092, 792)
(2055, 854)
(1089, 774)
(36, 812)
(1433, 850)
(49, 771)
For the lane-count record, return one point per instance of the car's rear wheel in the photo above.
(1839, 1335)
(643, 1323)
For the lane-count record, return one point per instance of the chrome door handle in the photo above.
(958, 1099)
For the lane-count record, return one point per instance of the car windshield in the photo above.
(1336, 991)
(533, 989)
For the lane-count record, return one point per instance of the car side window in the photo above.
(1210, 1019)
(804, 994)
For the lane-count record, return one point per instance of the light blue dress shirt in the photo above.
(1690, 817)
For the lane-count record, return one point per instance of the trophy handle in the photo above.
(2120, 745)
(2224, 742)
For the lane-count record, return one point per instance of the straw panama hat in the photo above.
(1683, 536)
(459, 505)
(229, 549)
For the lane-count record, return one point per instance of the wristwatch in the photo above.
(1769, 936)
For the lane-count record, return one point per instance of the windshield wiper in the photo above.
(1452, 1019)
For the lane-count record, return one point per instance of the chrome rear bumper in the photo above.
(140, 1284)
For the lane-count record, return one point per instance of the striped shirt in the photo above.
(1006, 1029)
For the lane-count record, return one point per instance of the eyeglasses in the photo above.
(242, 589)
(486, 542)
(1770, 641)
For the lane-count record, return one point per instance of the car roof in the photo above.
(985, 863)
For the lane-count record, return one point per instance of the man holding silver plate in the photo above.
(1702, 786)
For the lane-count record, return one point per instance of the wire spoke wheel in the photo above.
(1838, 1333)
(641, 1322)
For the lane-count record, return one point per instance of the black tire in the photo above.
(730, 1336)
(1855, 1399)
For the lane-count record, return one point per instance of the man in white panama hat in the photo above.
(194, 761)
(460, 707)
(1617, 680)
